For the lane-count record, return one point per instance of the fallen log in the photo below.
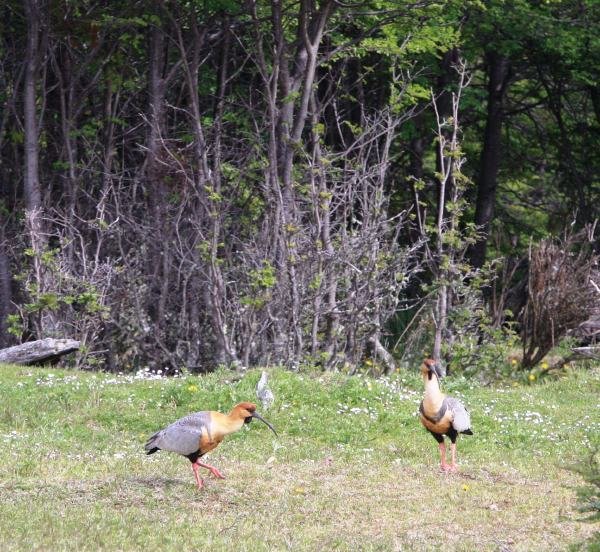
(578, 353)
(42, 351)
(589, 352)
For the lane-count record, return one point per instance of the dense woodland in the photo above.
(189, 184)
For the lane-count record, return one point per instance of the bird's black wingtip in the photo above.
(152, 450)
(467, 432)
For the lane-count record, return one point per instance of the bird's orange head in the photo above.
(247, 411)
(243, 410)
(430, 367)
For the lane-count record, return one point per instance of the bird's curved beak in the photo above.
(259, 417)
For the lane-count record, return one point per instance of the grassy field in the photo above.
(351, 470)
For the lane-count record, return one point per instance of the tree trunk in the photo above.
(380, 352)
(33, 197)
(444, 92)
(5, 288)
(43, 322)
(154, 172)
(595, 96)
(499, 73)
(441, 321)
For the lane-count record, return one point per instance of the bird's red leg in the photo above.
(212, 469)
(199, 480)
(453, 467)
(443, 466)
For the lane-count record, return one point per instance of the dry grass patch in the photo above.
(309, 505)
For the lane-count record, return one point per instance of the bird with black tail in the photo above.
(442, 415)
(196, 434)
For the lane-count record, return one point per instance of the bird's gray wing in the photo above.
(182, 436)
(461, 419)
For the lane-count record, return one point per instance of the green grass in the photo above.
(351, 470)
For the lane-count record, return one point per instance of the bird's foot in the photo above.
(449, 468)
(211, 469)
(216, 473)
(199, 480)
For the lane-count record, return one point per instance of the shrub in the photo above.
(560, 296)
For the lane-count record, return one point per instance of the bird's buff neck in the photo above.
(228, 423)
(432, 389)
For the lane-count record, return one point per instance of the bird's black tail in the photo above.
(150, 446)
(467, 432)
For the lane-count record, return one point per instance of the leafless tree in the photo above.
(445, 249)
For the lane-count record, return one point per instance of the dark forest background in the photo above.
(185, 184)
